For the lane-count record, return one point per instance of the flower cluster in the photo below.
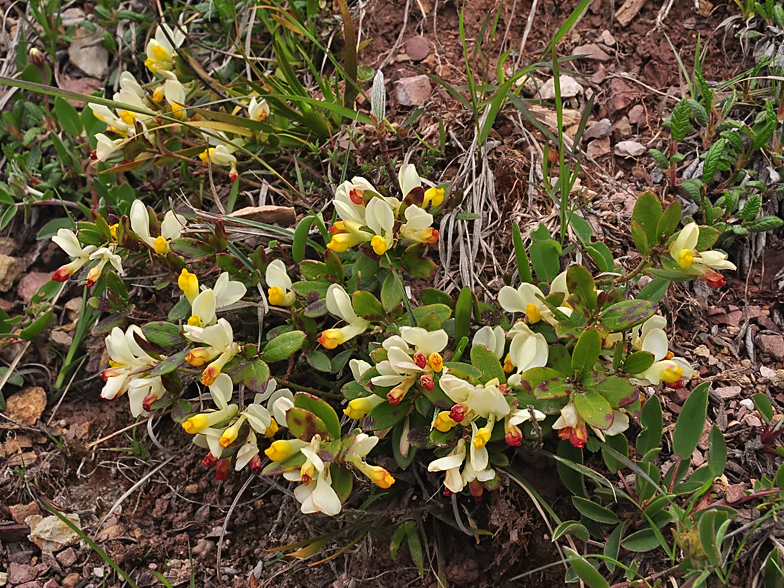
(367, 217)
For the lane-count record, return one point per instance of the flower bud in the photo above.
(36, 56)
(255, 465)
(426, 381)
(458, 412)
(209, 460)
(223, 469)
(420, 359)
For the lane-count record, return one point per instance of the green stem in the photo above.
(307, 389)
(406, 301)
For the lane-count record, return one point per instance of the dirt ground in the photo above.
(171, 507)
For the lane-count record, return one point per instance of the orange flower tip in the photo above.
(61, 275)
(233, 175)
(94, 154)
(90, 283)
(209, 461)
(458, 412)
(514, 438)
(394, 399)
(356, 196)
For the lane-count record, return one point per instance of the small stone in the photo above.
(621, 95)
(33, 584)
(728, 392)
(191, 489)
(19, 512)
(766, 323)
(417, 48)
(87, 52)
(202, 515)
(630, 149)
(110, 532)
(71, 580)
(31, 283)
(26, 406)
(74, 308)
(773, 345)
(67, 558)
(98, 572)
(697, 459)
(680, 395)
(591, 51)
(702, 351)
(607, 38)
(621, 129)
(777, 379)
(61, 340)
(3, 578)
(52, 583)
(637, 115)
(20, 573)
(735, 492)
(599, 130)
(598, 147)
(22, 557)
(412, 91)
(51, 533)
(10, 270)
(203, 547)
(599, 75)
(569, 88)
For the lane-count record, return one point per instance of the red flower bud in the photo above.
(420, 359)
(223, 469)
(255, 465)
(427, 382)
(209, 460)
(458, 413)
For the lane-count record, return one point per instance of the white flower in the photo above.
(570, 425)
(160, 51)
(683, 251)
(104, 255)
(127, 358)
(258, 111)
(418, 226)
(339, 304)
(493, 338)
(171, 227)
(380, 219)
(219, 341)
(409, 180)
(451, 465)
(650, 337)
(528, 349)
(524, 299)
(142, 392)
(221, 391)
(105, 146)
(279, 283)
(349, 199)
(69, 243)
(103, 114)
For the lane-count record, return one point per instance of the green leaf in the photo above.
(669, 221)
(751, 208)
(717, 446)
(620, 444)
(765, 408)
(163, 334)
(594, 511)
(612, 547)
(586, 352)
(8, 216)
(435, 296)
(485, 360)
(585, 570)
(397, 540)
(334, 266)
(619, 392)
(693, 187)
(50, 229)
(400, 459)
(573, 480)
(523, 267)
(283, 346)
(391, 295)
(652, 426)
(761, 225)
(313, 270)
(708, 236)
(638, 362)
(301, 239)
(688, 427)
(256, 375)
(37, 326)
(592, 407)
(654, 290)
(192, 249)
(640, 239)
(546, 259)
(680, 126)
(413, 260)
(415, 547)
(660, 158)
(180, 310)
(367, 306)
(319, 361)
(627, 314)
(573, 528)
(713, 158)
(582, 290)
(385, 415)
(641, 541)
(463, 313)
(321, 409)
(67, 117)
(708, 526)
(170, 364)
(698, 110)
(647, 213)
(303, 424)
